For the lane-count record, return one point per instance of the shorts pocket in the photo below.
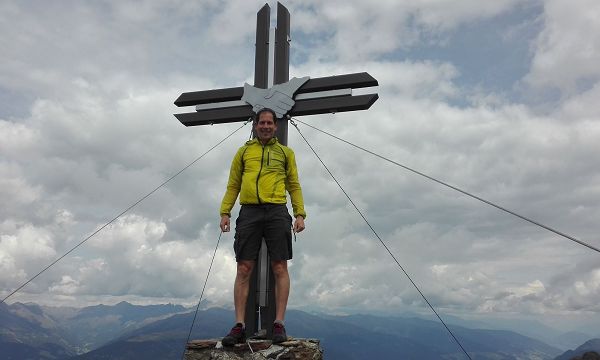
(238, 243)
(288, 235)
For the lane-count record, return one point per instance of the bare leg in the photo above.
(282, 287)
(241, 288)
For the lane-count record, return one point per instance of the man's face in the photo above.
(265, 127)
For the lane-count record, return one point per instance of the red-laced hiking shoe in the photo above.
(237, 335)
(279, 334)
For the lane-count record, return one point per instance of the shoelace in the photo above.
(237, 330)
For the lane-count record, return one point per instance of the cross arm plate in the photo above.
(216, 116)
(239, 111)
(302, 107)
(209, 96)
(333, 104)
(355, 81)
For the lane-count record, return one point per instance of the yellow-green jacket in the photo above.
(261, 174)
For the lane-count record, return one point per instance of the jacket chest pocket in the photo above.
(275, 160)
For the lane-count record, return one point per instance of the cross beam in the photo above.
(316, 96)
(240, 111)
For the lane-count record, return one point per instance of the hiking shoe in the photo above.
(237, 335)
(279, 334)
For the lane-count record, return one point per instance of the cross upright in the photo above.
(297, 97)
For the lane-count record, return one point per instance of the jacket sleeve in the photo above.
(292, 184)
(233, 184)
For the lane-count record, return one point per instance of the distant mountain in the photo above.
(128, 312)
(126, 331)
(570, 340)
(590, 345)
(27, 333)
(163, 339)
(528, 327)
(342, 337)
(18, 351)
(94, 326)
(484, 343)
(349, 340)
(34, 332)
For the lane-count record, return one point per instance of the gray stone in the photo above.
(293, 349)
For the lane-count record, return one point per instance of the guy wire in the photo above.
(382, 242)
(201, 295)
(572, 238)
(124, 211)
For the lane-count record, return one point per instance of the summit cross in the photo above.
(296, 97)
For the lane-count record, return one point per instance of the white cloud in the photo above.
(130, 258)
(96, 133)
(357, 31)
(14, 188)
(22, 249)
(565, 53)
(67, 286)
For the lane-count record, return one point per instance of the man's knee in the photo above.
(279, 267)
(244, 269)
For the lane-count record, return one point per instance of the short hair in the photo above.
(257, 116)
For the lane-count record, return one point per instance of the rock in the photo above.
(293, 349)
(590, 355)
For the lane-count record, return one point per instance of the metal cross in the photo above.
(294, 97)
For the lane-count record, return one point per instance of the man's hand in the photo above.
(225, 223)
(299, 224)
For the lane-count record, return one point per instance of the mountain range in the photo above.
(127, 331)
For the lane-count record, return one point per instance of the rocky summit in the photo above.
(297, 349)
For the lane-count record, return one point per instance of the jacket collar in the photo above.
(256, 141)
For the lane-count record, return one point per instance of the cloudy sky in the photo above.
(499, 98)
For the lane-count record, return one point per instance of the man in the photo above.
(261, 172)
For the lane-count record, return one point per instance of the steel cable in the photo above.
(201, 295)
(123, 212)
(569, 237)
(382, 242)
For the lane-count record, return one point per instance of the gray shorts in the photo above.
(269, 221)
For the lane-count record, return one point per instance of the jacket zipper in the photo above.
(262, 159)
